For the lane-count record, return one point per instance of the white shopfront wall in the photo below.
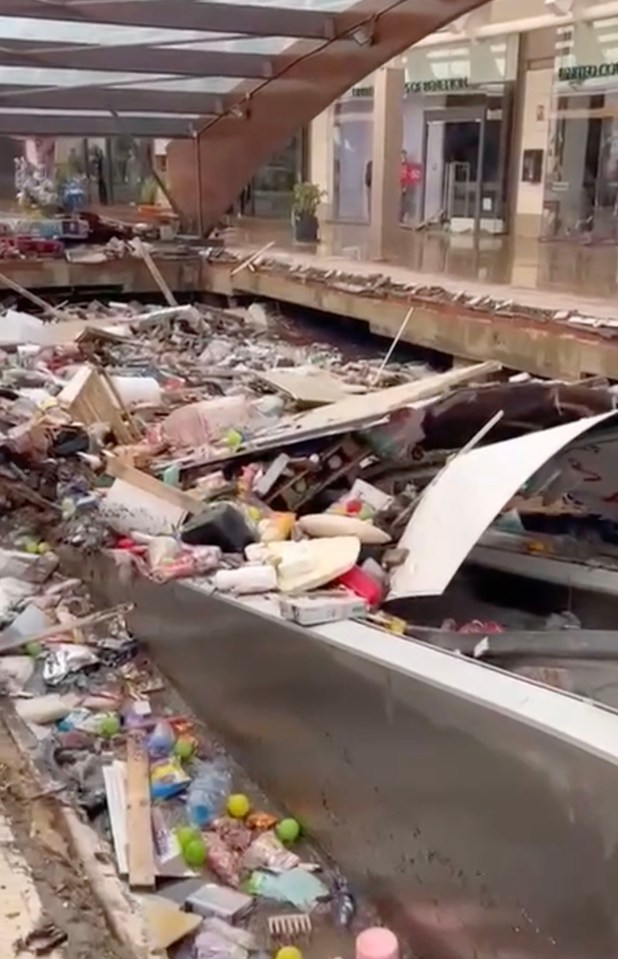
(456, 116)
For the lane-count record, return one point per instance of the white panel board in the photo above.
(465, 497)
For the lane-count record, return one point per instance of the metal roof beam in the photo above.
(79, 125)
(134, 58)
(110, 98)
(254, 20)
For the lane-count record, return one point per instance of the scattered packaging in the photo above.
(321, 607)
(64, 659)
(268, 852)
(214, 900)
(167, 779)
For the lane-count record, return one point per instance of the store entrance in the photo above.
(463, 183)
(581, 199)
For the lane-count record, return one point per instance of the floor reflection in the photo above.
(589, 270)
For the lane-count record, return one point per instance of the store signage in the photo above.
(590, 71)
(421, 86)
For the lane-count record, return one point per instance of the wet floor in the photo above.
(576, 267)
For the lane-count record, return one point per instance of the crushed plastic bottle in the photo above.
(208, 792)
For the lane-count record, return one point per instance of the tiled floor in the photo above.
(587, 274)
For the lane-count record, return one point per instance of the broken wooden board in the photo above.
(139, 824)
(312, 388)
(361, 410)
(88, 399)
(149, 484)
(353, 413)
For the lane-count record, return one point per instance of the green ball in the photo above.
(109, 726)
(33, 649)
(288, 830)
(184, 748)
(194, 852)
(186, 834)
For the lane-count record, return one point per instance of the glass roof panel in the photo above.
(323, 6)
(46, 112)
(62, 31)
(265, 45)
(26, 76)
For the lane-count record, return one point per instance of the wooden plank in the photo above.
(364, 409)
(89, 400)
(139, 824)
(149, 484)
(310, 388)
(11, 639)
(27, 295)
(155, 273)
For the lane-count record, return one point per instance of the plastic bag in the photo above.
(208, 792)
(64, 659)
(267, 852)
(223, 862)
(219, 940)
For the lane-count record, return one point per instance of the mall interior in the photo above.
(506, 123)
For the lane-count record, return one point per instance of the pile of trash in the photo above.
(209, 443)
(221, 872)
(221, 447)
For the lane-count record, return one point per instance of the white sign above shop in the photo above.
(454, 67)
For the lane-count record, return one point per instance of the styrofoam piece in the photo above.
(135, 390)
(333, 524)
(115, 780)
(321, 607)
(313, 562)
(246, 579)
(12, 591)
(127, 508)
(41, 710)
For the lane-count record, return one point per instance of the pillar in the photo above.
(386, 159)
(321, 139)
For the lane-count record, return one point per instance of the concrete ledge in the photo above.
(475, 831)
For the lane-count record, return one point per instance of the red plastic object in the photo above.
(358, 582)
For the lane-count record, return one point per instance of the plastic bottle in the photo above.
(208, 792)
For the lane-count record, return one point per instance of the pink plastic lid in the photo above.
(377, 943)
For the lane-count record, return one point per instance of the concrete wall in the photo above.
(480, 832)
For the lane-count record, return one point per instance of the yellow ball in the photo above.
(238, 806)
(289, 952)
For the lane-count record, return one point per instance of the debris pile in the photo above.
(199, 442)
(215, 868)
(202, 444)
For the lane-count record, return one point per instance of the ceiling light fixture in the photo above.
(240, 111)
(363, 35)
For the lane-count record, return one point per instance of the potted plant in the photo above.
(305, 203)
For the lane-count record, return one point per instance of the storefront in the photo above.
(457, 113)
(581, 189)
(269, 194)
(114, 170)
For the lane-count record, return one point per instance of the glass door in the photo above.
(454, 152)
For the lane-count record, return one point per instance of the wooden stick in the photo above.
(391, 348)
(139, 821)
(252, 258)
(155, 273)
(46, 307)
(60, 628)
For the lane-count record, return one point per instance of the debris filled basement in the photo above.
(189, 469)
